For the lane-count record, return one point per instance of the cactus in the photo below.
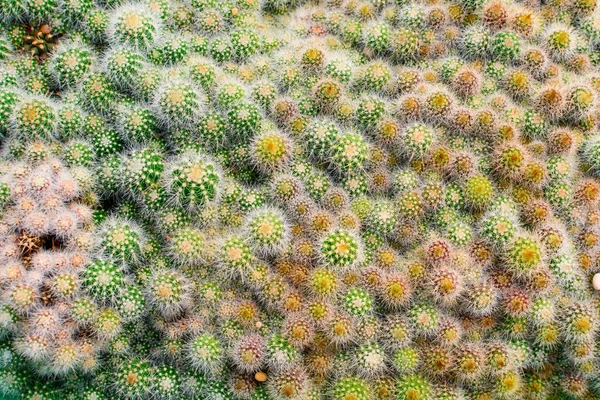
(299, 200)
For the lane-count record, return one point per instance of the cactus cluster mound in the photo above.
(299, 200)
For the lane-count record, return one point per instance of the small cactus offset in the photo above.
(299, 200)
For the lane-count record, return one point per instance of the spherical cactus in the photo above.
(340, 249)
(244, 119)
(476, 42)
(580, 99)
(424, 317)
(349, 152)
(108, 323)
(369, 359)
(320, 137)
(105, 143)
(123, 65)
(406, 359)
(358, 302)
(251, 200)
(134, 378)
(267, 230)
(141, 169)
(383, 218)
(478, 191)
(205, 352)
(229, 94)
(244, 43)
(193, 181)
(438, 104)
(459, 233)
(370, 111)
(578, 322)
(169, 291)
(79, 153)
(71, 65)
(236, 255)
(288, 383)
(417, 139)
(174, 50)
(560, 41)
(395, 290)
(178, 104)
(499, 229)
(166, 382)
(98, 92)
(271, 151)
(122, 240)
(249, 352)
(280, 352)
(102, 279)
(130, 302)
(339, 69)
(134, 26)
(351, 387)
(506, 45)
(413, 386)
(35, 118)
(187, 244)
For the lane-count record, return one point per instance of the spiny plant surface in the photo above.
(295, 200)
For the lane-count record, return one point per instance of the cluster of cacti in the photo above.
(292, 200)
